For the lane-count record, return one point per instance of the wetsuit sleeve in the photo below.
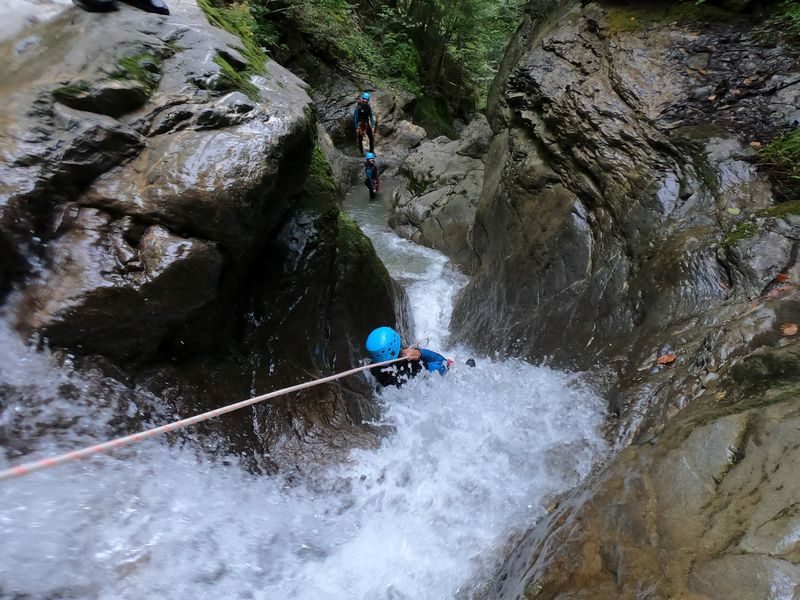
(355, 117)
(433, 361)
(371, 118)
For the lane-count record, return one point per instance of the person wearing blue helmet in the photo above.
(372, 176)
(384, 344)
(364, 122)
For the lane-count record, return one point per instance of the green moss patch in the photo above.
(320, 184)
(783, 209)
(144, 68)
(236, 19)
(431, 113)
(357, 256)
(742, 230)
(230, 79)
(73, 91)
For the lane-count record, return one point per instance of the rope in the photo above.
(46, 463)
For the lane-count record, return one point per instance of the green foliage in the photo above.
(416, 45)
(787, 13)
(781, 158)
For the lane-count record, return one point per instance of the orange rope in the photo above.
(54, 461)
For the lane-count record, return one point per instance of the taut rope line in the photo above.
(46, 463)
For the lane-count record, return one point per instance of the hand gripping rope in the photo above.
(54, 461)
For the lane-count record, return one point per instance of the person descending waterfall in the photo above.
(364, 122)
(384, 344)
(372, 176)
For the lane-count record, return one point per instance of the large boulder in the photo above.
(622, 216)
(442, 181)
(625, 228)
(130, 119)
(174, 222)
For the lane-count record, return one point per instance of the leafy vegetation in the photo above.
(446, 48)
(787, 13)
(781, 158)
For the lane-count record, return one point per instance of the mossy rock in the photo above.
(357, 256)
(320, 183)
(742, 230)
(143, 68)
(126, 87)
(230, 80)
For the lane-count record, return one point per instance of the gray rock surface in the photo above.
(625, 228)
(706, 510)
(622, 216)
(442, 181)
(183, 232)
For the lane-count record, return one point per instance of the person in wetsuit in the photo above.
(364, 122)
(384, 344)
(372, 177)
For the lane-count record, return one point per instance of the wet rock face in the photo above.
(182, 230)
(624, 228)
(705, 510)
(120, 148)
(621, 204)
(442, 180)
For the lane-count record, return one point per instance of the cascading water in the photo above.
(473, 458)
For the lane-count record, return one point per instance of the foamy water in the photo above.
(474, 458)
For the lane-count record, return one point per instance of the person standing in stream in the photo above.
(364, 122)
(372, 176)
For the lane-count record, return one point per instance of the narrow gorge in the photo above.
(613, 237)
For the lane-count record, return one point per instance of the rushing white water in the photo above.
(474, 457)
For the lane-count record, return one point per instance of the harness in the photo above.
(364, 112)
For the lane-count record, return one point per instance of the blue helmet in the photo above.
(383, 344)
(365, 96)
(370, 156)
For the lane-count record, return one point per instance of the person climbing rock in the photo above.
(384, 344)
(153, 6)
(372, 176)
(364, 122)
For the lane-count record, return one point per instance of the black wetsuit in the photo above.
(363, 118)
(399, 373)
